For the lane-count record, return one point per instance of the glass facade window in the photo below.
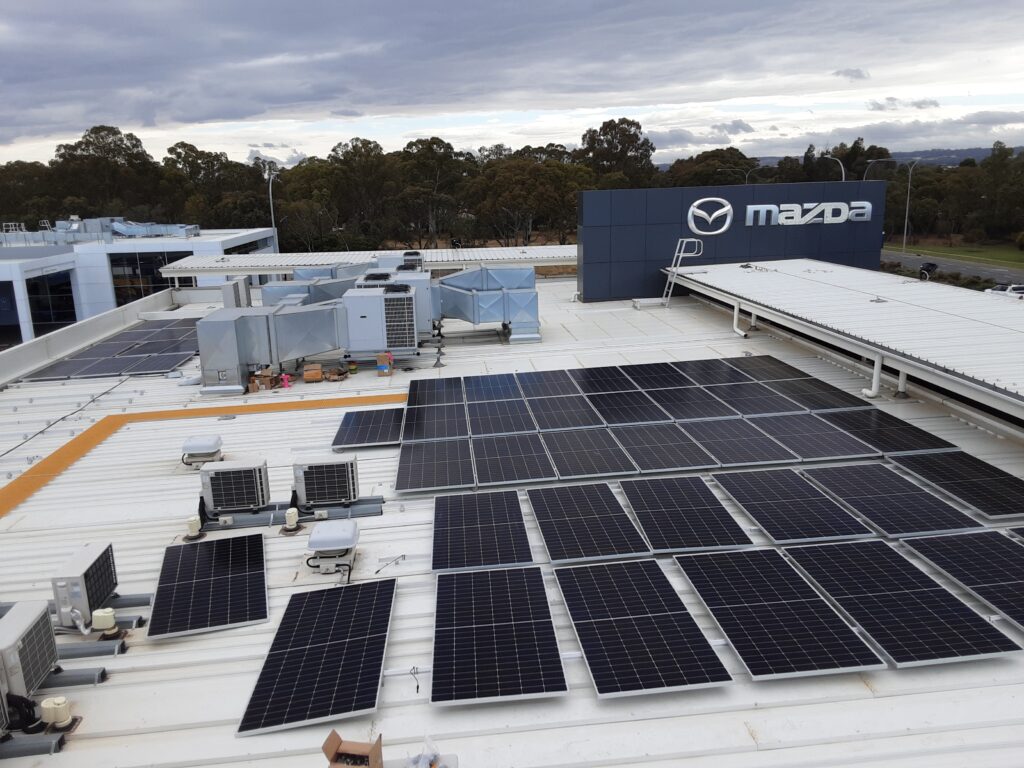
(51, 302)
(10, 327)
(138, 274)
(255, 245)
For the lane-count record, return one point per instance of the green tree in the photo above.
(618, 146)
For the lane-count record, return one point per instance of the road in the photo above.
(949, 264)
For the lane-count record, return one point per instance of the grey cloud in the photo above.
(923, 103)
(294, 158)
(678, 138)
(852, 74)
(892, 104)
(733, 127)
(346, 112)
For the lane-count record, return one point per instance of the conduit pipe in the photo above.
(736, 321)
(901, 386)
(876, 379)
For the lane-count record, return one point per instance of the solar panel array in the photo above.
(661, 447)
(477, 530)
(678, 514)
(636, 634)
(911, 617)
(734, 442)
(988, 564)
(884, 432)
(990, 490)
(811, 438)
(362, 429)
(777, 623)
(326, 660)
(584, 522)
(494, 638)
(153, 346)
(210, 585)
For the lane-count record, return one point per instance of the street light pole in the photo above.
(842, 168)
(906, 214)
(877, 160)
(270, 192)
(746, 174)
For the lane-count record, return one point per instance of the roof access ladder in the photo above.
(686, 248)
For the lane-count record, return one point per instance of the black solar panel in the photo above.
(627, 408)
(494, 638)
(988, 564)
(816, 395)
(500, 417)
(691, 403)
(436, 464)
(568, 412)
(656, 376)
(498, 386)
(810, 438)
(636, 634)
(154, 325)
(734, 441)
(511, 459)
(111, 366)
(435, 422)
(167, 334)
(62, 369)
(476, 530)
(103, 350)
(884, 432)
(751, 399)
(156, 363)
(151, 347)
(659, 447)
(367, 428)
(765, 368)
(583, 522)
(711, 371)
(988, 489)
(681, 513)
(587, 453)
(129, 336)
(327, 658)
(546, 383)
(188, 344)
(776, 622)
(911, 617)
(435, 392)
(605, 379)
(891, 503)
(210, 585)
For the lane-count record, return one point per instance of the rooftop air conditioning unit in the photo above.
(375, 278)
(330, 482)
(83, 584)
(28, 650)
(399, 317)
(235, 486)
(412, 259)
(5, 719)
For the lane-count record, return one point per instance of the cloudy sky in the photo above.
(289, 79)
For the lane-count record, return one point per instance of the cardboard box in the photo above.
(254, 385)
(384, 363)
(312, 372)
(339, 752)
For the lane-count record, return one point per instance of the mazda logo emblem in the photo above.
(719, 209)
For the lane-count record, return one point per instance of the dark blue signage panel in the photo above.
(626, 237)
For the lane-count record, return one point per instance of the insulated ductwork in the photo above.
(482, 295)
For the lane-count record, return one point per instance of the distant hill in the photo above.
(928, 156)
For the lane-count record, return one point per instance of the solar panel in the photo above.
(734, 441)
(765, 368)
(156, 363)
(636, 634)
(188, 323)
(167, 334)
(751, 399)
(810, 438)
(777, 624)
(511, 459)
(154, 325)
(988, 564)
(368, 428)
(546, 383)
(476, 530)
(210, 585)
(494, 638)
(788, 507)
(656, 376)
(585, 522)
(659, 447)
(710, 371)
(188, 344)
(132, 335)
(500, 417)
(327, 658)
(62, 369)
(568, 412)
(681, 513)
(435, 392)
(907, 613)
(888, 501)
(435, 465)
(604, 379)
(691, 403)
(498, 386)
(988, 489)
(885, 433)
(102, 350)
(150, 347)
(111, 366)
(435, 422)
(816, 395)
(627, 408)
(587, 453)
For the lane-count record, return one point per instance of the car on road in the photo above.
(1008, 291)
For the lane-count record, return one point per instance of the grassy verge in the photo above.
(1003, 255)
(948, 278)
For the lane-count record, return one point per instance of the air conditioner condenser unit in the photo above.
(83, 584)
(327, 483)
(28, 649)
(235, 486)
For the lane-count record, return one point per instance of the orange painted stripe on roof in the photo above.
(46, 469)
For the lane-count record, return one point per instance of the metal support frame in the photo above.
(876, 379)
(273, 515)
(91, 648)
(736, 321)
(901, 386)
(70, 678)
(23, 745)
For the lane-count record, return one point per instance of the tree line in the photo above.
(428, 194)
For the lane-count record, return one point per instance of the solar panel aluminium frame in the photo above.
(639, 691)
(342, 447)
(486, 566)
(785, 675)
(430, 443)
(332, 717)
(961, 585)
